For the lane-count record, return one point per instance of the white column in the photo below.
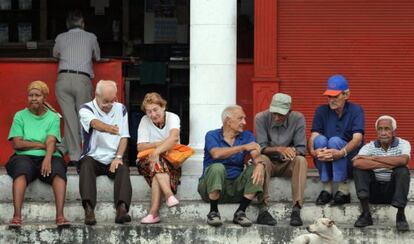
(213, 33)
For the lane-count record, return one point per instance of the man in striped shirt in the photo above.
(381, 174)
(75, 50)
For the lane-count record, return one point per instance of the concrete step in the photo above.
(189, 211)
(280, 190)
(190, 232)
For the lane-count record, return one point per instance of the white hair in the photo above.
(228, 111)
(103, 84)
(386, 117)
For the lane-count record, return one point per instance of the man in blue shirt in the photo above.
(225, 177)
(337, 135)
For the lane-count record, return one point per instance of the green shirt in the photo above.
(31, 127)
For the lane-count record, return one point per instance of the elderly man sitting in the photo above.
(105, 138)
(225, 177)
(381, 174)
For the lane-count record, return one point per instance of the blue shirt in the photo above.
(234, 165)
(326, 121)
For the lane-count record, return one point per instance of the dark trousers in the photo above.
(89, 169)
(394, 192)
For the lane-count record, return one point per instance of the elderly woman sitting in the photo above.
(160, 130)
(33, 134)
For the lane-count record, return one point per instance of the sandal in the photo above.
(15, 223)
(62, 222)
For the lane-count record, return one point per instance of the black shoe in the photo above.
(341, 198)
(363, 220)
(214, 219)
(89, 215)
(323, 198)
(122, 215)
(401, 223)
(295, 219)
(265, 218)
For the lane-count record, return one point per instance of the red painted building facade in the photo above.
(299, 44)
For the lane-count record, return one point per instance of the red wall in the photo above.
(15, 77)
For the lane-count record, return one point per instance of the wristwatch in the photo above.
(118, 156)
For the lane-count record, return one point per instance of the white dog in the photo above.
(323, 231)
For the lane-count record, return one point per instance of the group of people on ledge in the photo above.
(237, 166)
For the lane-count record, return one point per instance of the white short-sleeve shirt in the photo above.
(149, 132)
(398, 147)
(102, 146)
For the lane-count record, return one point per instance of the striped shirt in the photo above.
(398, 147)
(75, 50)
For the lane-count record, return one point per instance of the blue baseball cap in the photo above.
(336, 85)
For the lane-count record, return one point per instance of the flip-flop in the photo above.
(15, 223)
(62, 222)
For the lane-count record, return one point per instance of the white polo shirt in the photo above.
(148, 132)
(102, 146)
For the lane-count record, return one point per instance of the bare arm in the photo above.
(47, 160)
(376, 162)
(226, 152)
(395, 161)
(102, 127)
(354, 143)
(147, 145)
(122, 146)
(310, 144)
(169, 142)
(19, 144)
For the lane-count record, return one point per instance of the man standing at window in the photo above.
(75, 50)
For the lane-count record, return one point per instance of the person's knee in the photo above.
(216, 169)
(401, 171)
(336, 142)
(267, 164)
(301, 162)
(122, 169)
(86, 164)
(320, 142)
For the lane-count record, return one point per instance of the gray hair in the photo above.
(105, 84)
(386, 117)
(74, 19)
(227, 112)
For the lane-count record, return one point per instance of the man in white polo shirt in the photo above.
(381, 174)
(105, 137)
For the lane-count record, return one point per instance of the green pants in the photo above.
(231, 191)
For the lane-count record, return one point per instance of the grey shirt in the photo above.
(75, 50)
(292, 133)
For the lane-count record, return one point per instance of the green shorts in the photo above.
(231, 191)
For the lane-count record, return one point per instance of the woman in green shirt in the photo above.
(33, 134)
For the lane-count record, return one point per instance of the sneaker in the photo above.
(265, 218)
(150, 219)
(241, 219)
(341, 198)
(295, 219)
(363, 220)
(214, 219)
(172, 201)
(323, 198)
(401, 223)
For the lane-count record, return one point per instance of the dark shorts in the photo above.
(30, 166)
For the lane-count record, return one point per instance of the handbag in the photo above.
(175, 156)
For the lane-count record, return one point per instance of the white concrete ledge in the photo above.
(280, 190)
